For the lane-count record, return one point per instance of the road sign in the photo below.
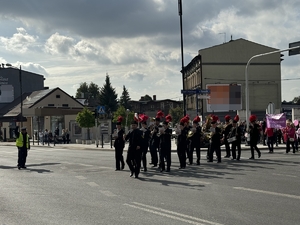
(271, 108)
(294, 51)
(101, 109)
(196, 91)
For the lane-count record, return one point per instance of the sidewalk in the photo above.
(107, 147)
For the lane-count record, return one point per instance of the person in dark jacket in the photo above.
(23, 145)
(119, 144)
(227, 128)
(254, 131)
(154, 142)
(236, 135)
(165, 144)
(145, 141)
(215, 143)
(182, 133)
(195, 141)
(134, 149)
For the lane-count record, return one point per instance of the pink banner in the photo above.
(276, 120)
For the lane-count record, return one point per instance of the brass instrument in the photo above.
(191, 132)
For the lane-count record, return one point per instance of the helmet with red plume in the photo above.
(252, 118)
(227, 118)
(214, 119)
(236, 119)
(196, 119)
(168, 118)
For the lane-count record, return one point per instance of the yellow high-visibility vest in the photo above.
(19, 141)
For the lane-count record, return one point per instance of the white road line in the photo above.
(165, 215)
(268, 192)
(285, 175)
(108, 193)
(84, 164)
(199, 181)
(92, 184)
(175, 213)
(81, 177)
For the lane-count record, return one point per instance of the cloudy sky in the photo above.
(137, 42)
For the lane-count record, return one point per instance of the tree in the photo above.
(108, 96)
(296, 100)
(145, 98)
(176, 114)
(124, 99)
(88, 91)
(127, 116)
(86, 119)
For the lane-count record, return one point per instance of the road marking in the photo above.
(81, 177)
(285, 175)
(199, 181)
(268, 192)
(92, 184)
(108, 193)
(84, 164)
(189, 219)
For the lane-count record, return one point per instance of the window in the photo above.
(50, 104)
(65, 105)
(57, 96)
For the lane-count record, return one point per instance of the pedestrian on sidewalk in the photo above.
(23, 145)
(290, 136)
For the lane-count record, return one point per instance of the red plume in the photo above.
(160, 114)
(252, 118)
(143, 118)
(227, 117)
(168, 118)
(120, 119)
(236, 118)
(196, 119)
(215, 118)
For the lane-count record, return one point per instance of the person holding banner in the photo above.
(290, 136)
(254, 131)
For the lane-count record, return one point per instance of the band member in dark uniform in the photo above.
(146, 139)
(23, 145)
(119, 144)
(215, 143)
(227, 129)
(236, 136)
(154, 141)
(194, 137)
(134, 153)
(182, 133)
(165, 144)
(254, 131)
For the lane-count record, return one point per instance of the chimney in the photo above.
(154, 98)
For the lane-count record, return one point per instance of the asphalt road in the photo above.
(67, 186)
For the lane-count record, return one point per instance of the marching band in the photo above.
(157, 138)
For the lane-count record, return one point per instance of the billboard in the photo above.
(224, 97)
(6, 93)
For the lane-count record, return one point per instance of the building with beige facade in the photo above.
(222, 68)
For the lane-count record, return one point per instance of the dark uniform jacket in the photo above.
(119, 141)
(216, 137)
(165, 139)
(135, 139)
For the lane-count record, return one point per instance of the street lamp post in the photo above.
(127, 112)
(21, 90)
(182, 61)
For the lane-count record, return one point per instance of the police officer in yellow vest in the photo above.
(23, 145)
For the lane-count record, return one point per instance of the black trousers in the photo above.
(181, 152)
(133, 160)
(227, 147)
(270, 143)
(214, 148)
(119, 157)
(165, 154)
(153, 153)
(236, 145)
(253, 146)
(288, 147)
(191, 152)
(22, 155)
